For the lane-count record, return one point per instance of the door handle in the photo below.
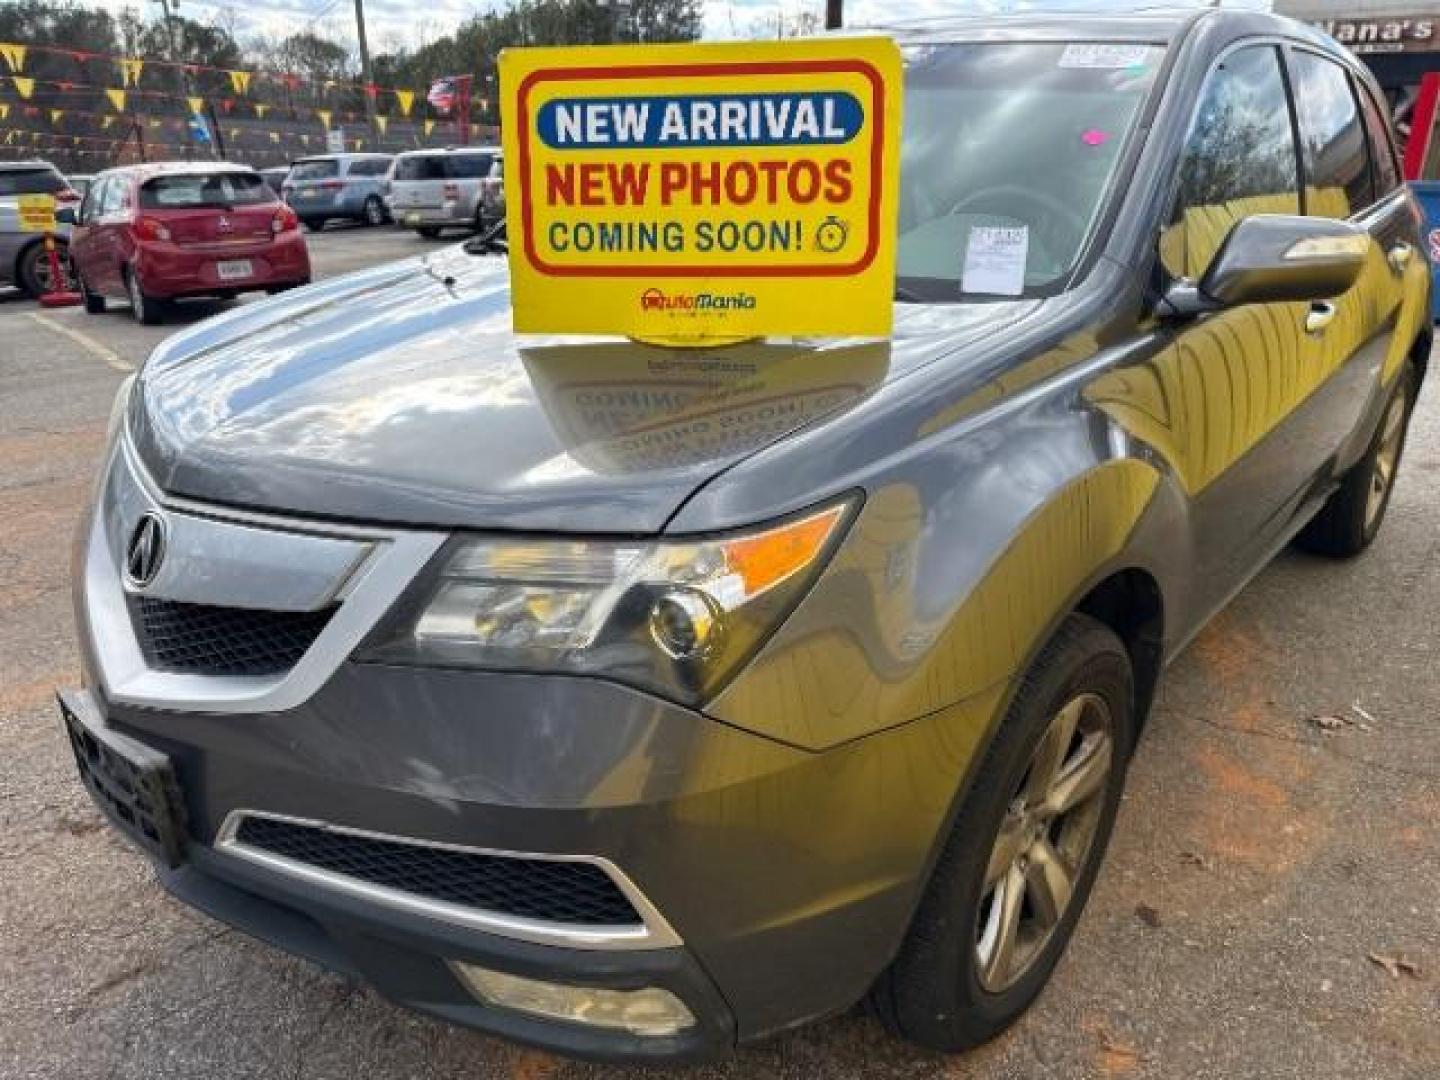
(1320, 315)
(1400, 256)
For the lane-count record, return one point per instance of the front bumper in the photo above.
(787, 876)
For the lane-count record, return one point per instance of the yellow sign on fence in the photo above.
(702, 192)
(36, 213)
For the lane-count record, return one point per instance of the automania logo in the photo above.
(654, 299)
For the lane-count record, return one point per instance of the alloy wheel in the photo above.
(1043, 843)
(374, 212)
(1387, 457)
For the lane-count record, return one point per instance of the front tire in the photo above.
(1351, 518)
(313, 224)
(1024, 852)
(94, 302)
(373, 212)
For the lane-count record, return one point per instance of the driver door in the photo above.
(1219, 402)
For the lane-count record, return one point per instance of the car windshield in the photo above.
(314, 170)
(42, 181)
(1008, 152)
(193, 191)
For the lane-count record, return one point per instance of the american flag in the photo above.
(442, 95)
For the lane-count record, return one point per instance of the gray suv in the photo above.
(634, 701)
(432, 190)
(345, 186)
(23, 262)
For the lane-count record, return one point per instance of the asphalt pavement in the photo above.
(1268, 909)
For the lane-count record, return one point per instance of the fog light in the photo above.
(651, 1011)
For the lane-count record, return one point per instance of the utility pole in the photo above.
(182, 80)
(364, 63)
(834, 14)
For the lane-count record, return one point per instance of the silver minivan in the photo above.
(329, 186)
(431, 190)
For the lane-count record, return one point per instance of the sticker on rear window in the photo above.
(995, 260)
(1098, 54)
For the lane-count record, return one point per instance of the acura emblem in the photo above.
(146, 551)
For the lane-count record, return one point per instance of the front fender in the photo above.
(918, 612)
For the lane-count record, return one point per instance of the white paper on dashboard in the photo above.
(995, 260)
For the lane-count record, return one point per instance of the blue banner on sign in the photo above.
(776, 119)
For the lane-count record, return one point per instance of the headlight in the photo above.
(676, 617)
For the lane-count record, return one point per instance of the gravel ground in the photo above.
(1259, 861)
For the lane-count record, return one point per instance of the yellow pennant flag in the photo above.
(117, 98)
(14, 55)
(130, 69)
(4, 111)
(240, 81)
(382, 122)
(324, 116)
(74, 140)
(429, 127)
(406, 98)
(261, 110)
(197, 104)
(23, 86)
(56, 115)
(106, 121)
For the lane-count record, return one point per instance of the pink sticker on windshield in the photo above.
(1094, 137)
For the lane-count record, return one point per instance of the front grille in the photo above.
(578, 893)
(204, 640)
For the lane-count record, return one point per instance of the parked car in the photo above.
(157, 233)
(635, 702)
(274, 177)
(432, 190)
(330, 186)
(23, 261)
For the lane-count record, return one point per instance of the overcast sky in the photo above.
(395, 22)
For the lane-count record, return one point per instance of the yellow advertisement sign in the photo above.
(694, 192)
(36, 213)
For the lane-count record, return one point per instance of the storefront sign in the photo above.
(703, 192)
(1382, 34)
(36, 213)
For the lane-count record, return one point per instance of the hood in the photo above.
(400, 395)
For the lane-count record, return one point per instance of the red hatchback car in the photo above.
(156, 233)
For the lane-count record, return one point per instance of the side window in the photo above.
(1239, 159)
(89, 205)
(110, 197)
(1382, 150)
(1336, 154)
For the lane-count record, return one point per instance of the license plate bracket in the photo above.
(133, 785)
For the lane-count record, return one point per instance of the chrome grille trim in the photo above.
(368, 569)
(652, 933)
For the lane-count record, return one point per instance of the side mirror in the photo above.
(65, 215)
(1276, 258)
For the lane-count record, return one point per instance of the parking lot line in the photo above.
(112, 358)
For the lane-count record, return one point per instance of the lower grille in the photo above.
(553, 891)
(203, 640)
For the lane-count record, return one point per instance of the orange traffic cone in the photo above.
(59, 293)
